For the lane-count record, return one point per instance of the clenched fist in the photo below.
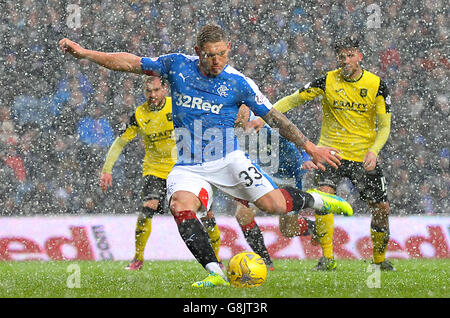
(71, 47)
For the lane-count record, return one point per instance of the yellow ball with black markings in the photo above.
(247, 269)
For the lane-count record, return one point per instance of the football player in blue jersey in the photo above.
(207, 93)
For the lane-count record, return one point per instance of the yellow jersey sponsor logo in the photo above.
(346, 105)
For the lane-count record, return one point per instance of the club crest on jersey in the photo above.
(222, 91)
(363, 92)
(260, 98)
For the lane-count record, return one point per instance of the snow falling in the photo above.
(59, 115)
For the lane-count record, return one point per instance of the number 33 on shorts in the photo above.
(250, 175)
(236, 175)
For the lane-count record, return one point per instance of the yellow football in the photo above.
(247, 269)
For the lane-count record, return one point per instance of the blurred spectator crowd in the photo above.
(59, 115)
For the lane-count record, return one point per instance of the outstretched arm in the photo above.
(288, 130)
(125, 62)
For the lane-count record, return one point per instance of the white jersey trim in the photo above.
(260, 97)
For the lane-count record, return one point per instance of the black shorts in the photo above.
(154, 188)
(371, 185)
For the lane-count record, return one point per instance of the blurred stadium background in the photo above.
(46, 167)
(50, 157)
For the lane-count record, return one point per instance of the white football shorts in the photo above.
(236, 175)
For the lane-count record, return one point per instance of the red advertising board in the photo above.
(112, 238)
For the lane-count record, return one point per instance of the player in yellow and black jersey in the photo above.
(153, 122)
(351, 109)
(356, 120)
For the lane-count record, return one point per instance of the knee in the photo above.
(150, 208)
(244, 215)
(184, 205)
(380, 217)
(380, 210)
(286, 228)
(326, 189)
(174, 203)
(182, 201)
(151, 204)
(209, 217)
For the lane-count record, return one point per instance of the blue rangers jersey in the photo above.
(205, 108)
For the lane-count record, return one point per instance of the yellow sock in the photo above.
(379, 243)
(325, 230)
(214, 238)
(143, 229)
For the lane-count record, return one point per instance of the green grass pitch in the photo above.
(424, 278)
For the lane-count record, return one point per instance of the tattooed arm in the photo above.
(288, 130)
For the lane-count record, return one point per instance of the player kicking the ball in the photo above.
(207, 93)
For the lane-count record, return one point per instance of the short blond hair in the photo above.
(210, 33)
